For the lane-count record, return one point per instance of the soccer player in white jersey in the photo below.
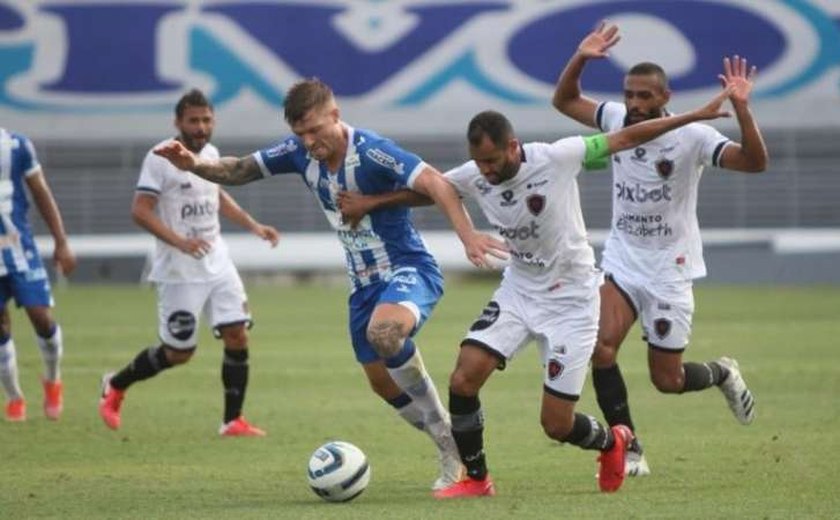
(22, 273)
(395, 282)
(654, 251)
(192, 270)
(549, 292)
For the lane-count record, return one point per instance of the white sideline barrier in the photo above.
(321, 251)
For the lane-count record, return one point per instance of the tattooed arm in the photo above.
(230, 171)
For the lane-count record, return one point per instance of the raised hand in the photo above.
(739, 76)
(178, 154)
(598, 42)
(712, 110)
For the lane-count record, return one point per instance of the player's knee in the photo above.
(178, 356)
(668, 382)
(556, 428)
(461, 383)
(386, 338)
(235, 337)
(605, 353)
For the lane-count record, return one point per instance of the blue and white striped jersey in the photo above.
(17, 246)
(385, 240)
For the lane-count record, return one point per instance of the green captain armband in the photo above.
(597, 152)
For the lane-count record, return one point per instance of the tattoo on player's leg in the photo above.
(387, 337)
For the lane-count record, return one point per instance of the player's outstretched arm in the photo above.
(568, 98)
(639, 133)
(477, 245)
(750, 155)
(230, 171)
(235, 213)
(63, 257)
(354, 205)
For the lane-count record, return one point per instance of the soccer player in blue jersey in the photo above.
(395, 282)
(22, 273)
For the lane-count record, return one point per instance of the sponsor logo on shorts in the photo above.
(488, 317)
(535, 203)
(555, 369)
(181, 324)
(662, 327)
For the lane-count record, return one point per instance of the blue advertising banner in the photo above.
(92, 69)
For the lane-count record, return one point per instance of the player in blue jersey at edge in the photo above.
(22, 273)
(395, 281)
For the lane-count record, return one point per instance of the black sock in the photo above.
(587, 433)
(611, 394)
(235, 380)
(148, 363)
(700, 376)
(468, 430)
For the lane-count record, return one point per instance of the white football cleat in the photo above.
(451, 469)
(635, 464)
(738, 396)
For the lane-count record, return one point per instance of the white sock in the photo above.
(9, 370)
(413, 379)
(51, 351)
(413, 415)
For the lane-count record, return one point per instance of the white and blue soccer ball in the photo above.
(338, 471)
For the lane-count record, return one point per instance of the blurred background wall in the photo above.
(94, 83)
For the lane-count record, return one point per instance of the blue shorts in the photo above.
(417, 289)
(29, 289)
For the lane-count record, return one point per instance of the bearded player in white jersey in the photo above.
(192, 270)
(654, 251)
(549, 292)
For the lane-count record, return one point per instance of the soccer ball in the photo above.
(338, 471)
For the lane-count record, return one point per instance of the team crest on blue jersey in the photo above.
(665, 167)
(535, 203)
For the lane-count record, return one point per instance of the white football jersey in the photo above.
(538, 214)
(654, 232)
(189, 205)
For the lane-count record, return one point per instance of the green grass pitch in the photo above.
(168, 462)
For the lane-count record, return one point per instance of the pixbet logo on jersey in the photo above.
(638, 193)
(198, 209)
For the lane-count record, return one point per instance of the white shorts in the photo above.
(564, 324)
(222, 301)
(664, 309)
